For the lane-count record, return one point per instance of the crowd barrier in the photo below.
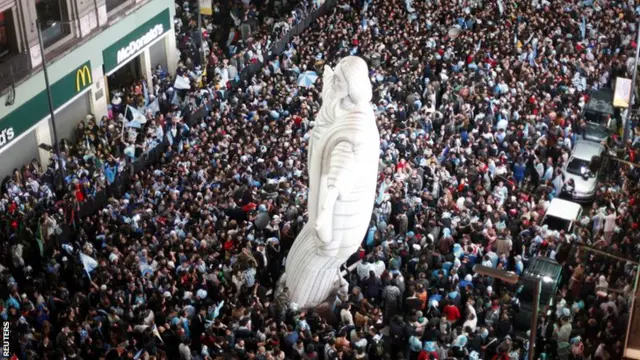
(154, 156)
(280, 46)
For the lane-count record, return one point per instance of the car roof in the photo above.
(586, 150)
(601, 101)
(563, 209)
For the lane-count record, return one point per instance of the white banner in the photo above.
(182, 83)
(622, 93)
(205, 7)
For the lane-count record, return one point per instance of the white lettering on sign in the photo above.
(137, 45)
(6, 135)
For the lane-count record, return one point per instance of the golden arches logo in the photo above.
(83, 75)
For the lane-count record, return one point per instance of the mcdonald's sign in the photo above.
(83, 77)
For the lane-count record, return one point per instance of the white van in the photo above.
(561, 215)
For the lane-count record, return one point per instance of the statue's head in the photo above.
(349, 81)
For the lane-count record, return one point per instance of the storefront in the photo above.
(135, 55)
(30, 124)
(129, 47)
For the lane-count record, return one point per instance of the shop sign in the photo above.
(37, 108)
(83, 77)
(125, 48)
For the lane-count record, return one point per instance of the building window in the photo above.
(53, 20)
(5, 48)
(115, 4)
(8, 41)
(13, 63)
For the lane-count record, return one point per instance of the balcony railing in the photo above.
(14, 68)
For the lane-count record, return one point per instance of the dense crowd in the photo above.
(475, 125)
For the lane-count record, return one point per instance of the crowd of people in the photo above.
(478, 104)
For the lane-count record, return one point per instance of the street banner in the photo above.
(205, 7)
(622, 93)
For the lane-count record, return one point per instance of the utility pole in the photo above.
(627, 125)
(201, 43)
(631, 345)
(56, 144)
(533, 332)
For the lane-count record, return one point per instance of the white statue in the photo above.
(343, 168)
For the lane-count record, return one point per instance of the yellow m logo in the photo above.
(83, 77)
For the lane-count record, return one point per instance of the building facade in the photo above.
(87, 44)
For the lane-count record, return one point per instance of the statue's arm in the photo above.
(342, 168)
(327, 83)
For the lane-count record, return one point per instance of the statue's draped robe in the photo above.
(343, 153)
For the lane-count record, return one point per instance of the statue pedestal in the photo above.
(324, 309)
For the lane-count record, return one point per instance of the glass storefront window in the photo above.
(52, 15)
(114, 4)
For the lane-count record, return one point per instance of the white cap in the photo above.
(202, 293)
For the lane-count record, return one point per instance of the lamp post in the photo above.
(201, 44)
(629, 344)
(56, 145)
(626, 128)
(513, 279)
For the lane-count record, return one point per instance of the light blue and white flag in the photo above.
(175, 100)
(216, 311)
(156, 333)
(68, 248)
(145, 269)
(130, 151)
(153, 107)
(583, 28)
(145, 92)
(138, 354)
(136, 117)
(88, 263)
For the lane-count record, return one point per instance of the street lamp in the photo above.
(513, 279)
(56, 145)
